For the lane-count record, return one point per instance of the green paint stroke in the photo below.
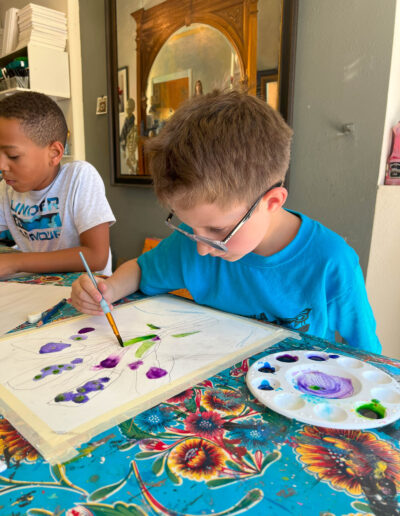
(179, 335)
(153, 326)
(144, 347)
(139, 339)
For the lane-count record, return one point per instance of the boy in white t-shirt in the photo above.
(52, 211)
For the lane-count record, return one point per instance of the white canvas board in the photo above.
(18, 300)
(182, 343)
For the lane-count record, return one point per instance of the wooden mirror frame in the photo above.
(235, 19)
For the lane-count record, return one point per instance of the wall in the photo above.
(342, 71)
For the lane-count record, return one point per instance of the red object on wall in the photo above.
(392, 176)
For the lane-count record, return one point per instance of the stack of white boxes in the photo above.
(42, 26)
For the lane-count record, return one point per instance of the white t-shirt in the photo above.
(53, 218)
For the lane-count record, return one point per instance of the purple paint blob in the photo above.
(85, 330)
(53, 347)
(324, 385)
(287, 358)
(317, 358)
(78, 337)
(81, 394)
(155, 372)
(156, 338)
(57, 369)
(135, 365)
(109, 362)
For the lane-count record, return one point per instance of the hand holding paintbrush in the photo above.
(103, 302)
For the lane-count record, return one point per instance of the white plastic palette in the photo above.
(325, 389)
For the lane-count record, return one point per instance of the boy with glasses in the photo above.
(219, 166)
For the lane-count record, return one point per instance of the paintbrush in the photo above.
(103, 303)
(48, 314)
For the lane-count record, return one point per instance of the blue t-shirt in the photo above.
(314, 285)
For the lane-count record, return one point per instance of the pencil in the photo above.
(103, 303)
(48, 314)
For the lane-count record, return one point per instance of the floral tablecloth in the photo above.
(212, 450)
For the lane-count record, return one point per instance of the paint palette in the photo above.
(330, 390)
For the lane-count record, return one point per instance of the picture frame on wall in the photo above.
(267, 87)
(123, 88)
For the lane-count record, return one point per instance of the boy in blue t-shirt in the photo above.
(219, 166)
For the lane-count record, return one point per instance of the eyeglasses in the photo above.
(220, 245)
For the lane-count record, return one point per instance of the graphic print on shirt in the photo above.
(38, 221)
(297, 323)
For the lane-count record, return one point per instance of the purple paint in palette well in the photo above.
(323, 385)
(135, 365)
(155, 372)
(317, 358)
(53, 347)
(85, 330)
(287, 358)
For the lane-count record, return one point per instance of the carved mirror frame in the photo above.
(235, 19)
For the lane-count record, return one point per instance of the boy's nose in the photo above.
(3, 165)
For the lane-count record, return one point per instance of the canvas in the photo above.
(66, 382)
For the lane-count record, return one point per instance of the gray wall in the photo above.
(342, 69)
(343, 57)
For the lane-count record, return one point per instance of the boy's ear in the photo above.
(276, 198)
(56, 151)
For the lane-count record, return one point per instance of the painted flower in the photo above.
(13, 445)
(348, 459)
(196, 459)
(155, 420)
(180, 398)
(223, 400)
(205, 424)
(250, 433)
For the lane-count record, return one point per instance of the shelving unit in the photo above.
(48, 71)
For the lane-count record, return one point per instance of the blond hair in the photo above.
(220, 147)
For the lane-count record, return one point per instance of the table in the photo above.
(212, 450)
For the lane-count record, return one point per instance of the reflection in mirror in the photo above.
(195, 60)
(159, 56)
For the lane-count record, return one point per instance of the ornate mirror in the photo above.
(160, 56)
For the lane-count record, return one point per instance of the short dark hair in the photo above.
(221, 147)
(41, 118)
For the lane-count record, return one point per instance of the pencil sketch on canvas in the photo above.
(73, 375)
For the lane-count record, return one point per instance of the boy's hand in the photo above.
(86, 298)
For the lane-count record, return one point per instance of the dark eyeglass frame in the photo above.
(220, 245)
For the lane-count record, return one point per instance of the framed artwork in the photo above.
(101, 105)
(122, 88)
(267, 87)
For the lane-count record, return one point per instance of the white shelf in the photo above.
(48, 71)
